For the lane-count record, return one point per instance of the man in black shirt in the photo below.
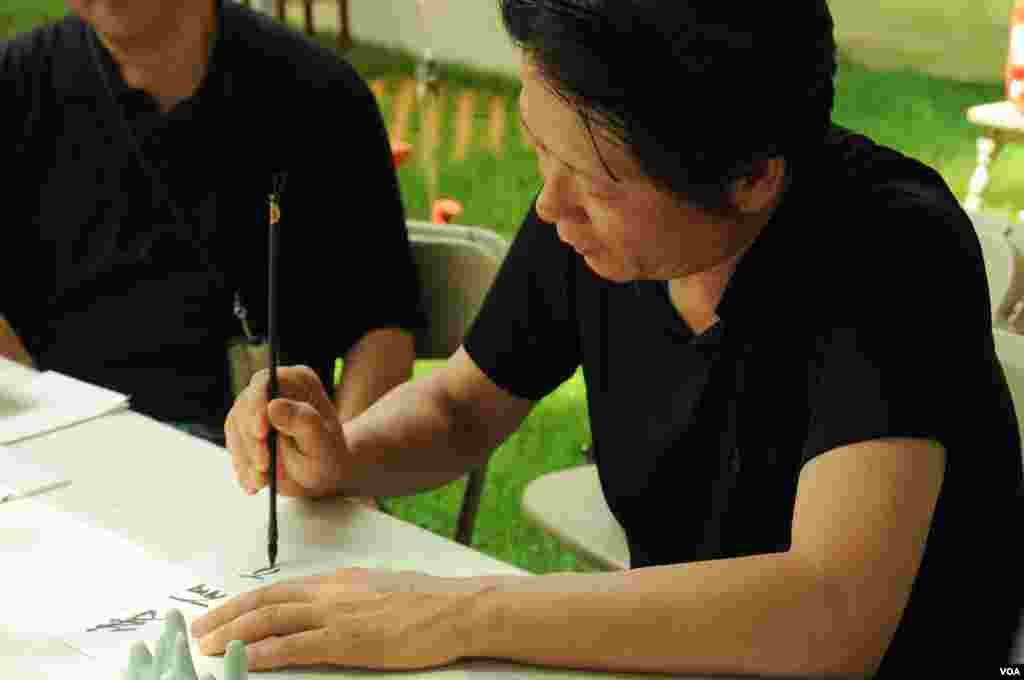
(815, 478)
(142, 141)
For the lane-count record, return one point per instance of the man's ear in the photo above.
(758, 190)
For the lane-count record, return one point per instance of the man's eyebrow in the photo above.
(540, 144)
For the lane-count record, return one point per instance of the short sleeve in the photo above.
(525, 336)
(909, 334)
(21, 73)
(354, 244)
(374, 220)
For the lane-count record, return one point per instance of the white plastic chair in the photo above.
(1010, 349)
(1004, 268)
(456, 265)
(992, 223)
(570, 505)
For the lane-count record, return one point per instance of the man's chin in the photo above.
(601, 267)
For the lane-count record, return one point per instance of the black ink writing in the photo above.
(206, 592)
(260, 573)
(132, 623)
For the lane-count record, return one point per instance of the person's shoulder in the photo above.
(875, 176)
(279, 56)
(878, 196)
(29, 50)
(887, 227)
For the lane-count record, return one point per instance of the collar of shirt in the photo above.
(136, 100)
(768, 279)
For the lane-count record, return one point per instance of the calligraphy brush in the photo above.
(272, 328)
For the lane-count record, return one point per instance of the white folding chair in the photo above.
(989, 222)
(456, 265)
(570, 505)
(1010, 349)
(1004, 268)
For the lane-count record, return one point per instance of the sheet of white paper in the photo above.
(111, 632)
(108, 633)
(132, 610)
(51, 401)
(21, 477)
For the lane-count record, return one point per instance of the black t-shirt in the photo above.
(860, 312)
(114, 291)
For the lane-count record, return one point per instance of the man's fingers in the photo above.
(293, 418)
(274, 620)
(298, 423)
(278, 593)
(303, 437)
(308, 648)
(240, 460)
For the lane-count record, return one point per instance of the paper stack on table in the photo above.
(50, 401)
(22, 478)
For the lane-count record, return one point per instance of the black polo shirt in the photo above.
(860, 312)
(115, 290)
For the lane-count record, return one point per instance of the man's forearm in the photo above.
(766, 615)
(379, 361)
(11, 346)
(411, 440)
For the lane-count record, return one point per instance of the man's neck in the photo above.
(172, 59)
(696, 297)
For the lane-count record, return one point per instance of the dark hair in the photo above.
(696, 90)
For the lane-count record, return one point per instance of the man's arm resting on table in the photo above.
(427, 432)
(828, 607)
(11, 346)
(377, 362)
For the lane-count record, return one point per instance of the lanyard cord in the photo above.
(151, 173)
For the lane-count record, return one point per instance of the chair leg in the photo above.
(344, 36)
(307, 6)
(989, 146)
(470, 505)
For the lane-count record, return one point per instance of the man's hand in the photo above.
(11, 346)
(311, 445)
(356, 618)
(173, 660)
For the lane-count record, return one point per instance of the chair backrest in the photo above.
(992, 223)
(1010, 349)
(1005, 273)
(457, 265)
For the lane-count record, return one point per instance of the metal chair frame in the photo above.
(469, 258)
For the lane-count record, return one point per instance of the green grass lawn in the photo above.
(920, 115)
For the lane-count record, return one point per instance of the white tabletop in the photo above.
(140, 487)
(997, 115)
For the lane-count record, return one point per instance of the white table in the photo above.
(173, 496)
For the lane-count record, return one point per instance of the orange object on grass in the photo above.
(1015, 59)
(445, 210)
(400, 151)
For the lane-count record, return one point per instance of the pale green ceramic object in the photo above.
(172, 659)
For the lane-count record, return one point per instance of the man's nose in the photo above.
(554, 202)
